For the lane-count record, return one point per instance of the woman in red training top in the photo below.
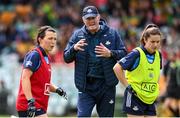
(35, 85)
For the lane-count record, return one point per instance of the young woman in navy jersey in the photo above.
(142, 67)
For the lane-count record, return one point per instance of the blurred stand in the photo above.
(20, 18)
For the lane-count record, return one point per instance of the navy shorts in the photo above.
(134, 106)
(24, 113)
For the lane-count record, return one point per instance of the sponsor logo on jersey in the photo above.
(148, 87)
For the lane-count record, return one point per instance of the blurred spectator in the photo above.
(172, 100)
(20, 18)
(3, 98)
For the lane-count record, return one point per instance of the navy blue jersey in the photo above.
(131, 60)
(32, 59)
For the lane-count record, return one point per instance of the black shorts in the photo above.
(38, 112)
(134, 106)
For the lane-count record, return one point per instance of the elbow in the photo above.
(67, 60)
(117, 68)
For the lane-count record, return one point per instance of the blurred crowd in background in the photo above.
(19, 20)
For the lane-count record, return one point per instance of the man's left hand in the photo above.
(102, 51)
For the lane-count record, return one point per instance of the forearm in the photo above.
(26, 86)
(26, 83)
(53, 88)
(119, 72)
